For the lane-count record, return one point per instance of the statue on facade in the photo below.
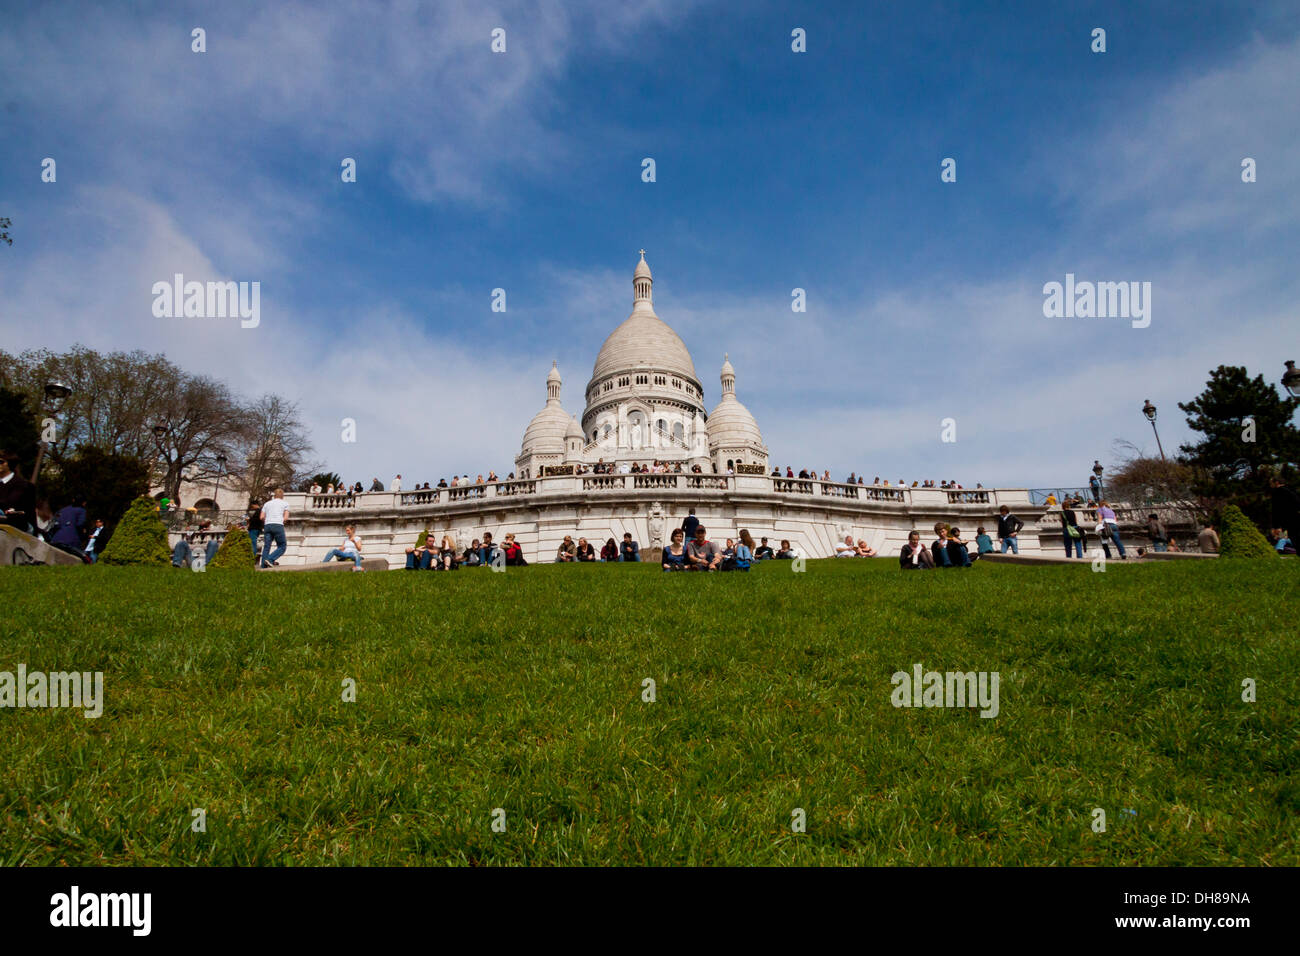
(656, 525)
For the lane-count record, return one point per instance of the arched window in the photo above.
(663, 425)
(678, 432)
(607, 430)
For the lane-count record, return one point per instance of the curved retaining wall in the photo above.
(813, 515)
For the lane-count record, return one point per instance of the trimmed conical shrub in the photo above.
(236, 551)
(1239, 538)
(419, 541)
(140, 537)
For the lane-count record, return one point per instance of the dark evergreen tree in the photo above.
(1248, 435)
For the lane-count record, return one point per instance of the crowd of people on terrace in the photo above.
(602, 467)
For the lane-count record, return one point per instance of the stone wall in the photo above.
(812, 514)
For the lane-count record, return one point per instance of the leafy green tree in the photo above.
(19, 432)
(106, 482)
(1248, 433)
(1239, 538)
(140, 537)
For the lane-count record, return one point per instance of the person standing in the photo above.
(1110, 527)
(1070, 530)
(274, 514)
(1156, 532)
(1008, 530)
(255, 527)
(689, 526)
(1208, 540)
(92, 546)
(397, 483)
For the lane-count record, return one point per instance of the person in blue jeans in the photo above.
(1106, 516)
(422, 558)
(488, 551)
(629, 550)
(1070, 530)
(1008, 528)
(274, 514)
(350, 551)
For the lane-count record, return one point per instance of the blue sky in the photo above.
(775, 170)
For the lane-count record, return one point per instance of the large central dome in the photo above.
(643, 339)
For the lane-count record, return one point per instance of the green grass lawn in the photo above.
(523, 691)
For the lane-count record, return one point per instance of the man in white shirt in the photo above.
(397, 483)
(351, 549)
(846, 548)
(274, 514)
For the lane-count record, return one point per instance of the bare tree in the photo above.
(201, 421)
(274, 450)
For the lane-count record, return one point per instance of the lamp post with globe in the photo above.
(1149, 411)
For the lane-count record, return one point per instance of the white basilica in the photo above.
(644, 403)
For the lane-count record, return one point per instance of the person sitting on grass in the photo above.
(1282, 541)
(915, 556)
(421, 558)
(764, 551)
(958, 552)
(983, 543)
(786, 553)
(514, 554)
(629, 550)
(567, 551)
(701, 553)
(742, 554)
(865, 550)
(939, 550)
(350, 551)
(675, 553)
(610, 551)
(487, 551)
(472, 558)
(585, 551)
(448, 556)
(846, 548)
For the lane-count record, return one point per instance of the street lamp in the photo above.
(216, 490)
(1149, 411)
(1291, 379)
(56, 393)
(159, 433)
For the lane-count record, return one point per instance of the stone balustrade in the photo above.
(560, 484)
